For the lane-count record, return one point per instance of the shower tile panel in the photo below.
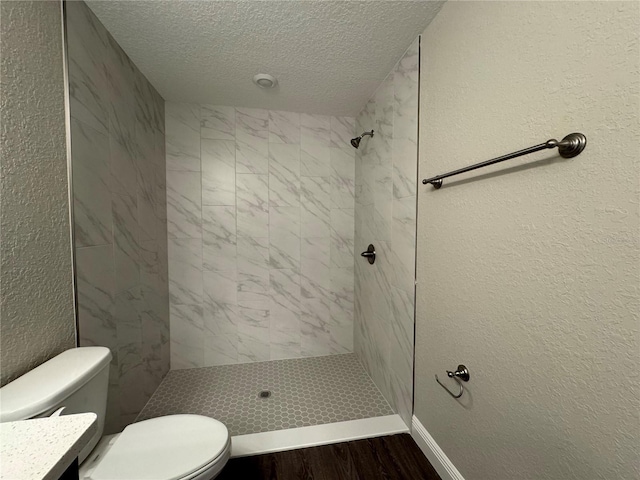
(284, 127)
(218, 122)
(315, 131)
(342, 237)
(126, 250)
(284, 175)
(218, 172)
(87, 51)
(220, 349)
(252, 197)
(185, 267)
(342, 291)
(315, 281)
(184, 204)
(183, 137)
(219, 238)
(385, 209)
(151, 222)
(315, 214)
(96, 292)
(119, 187)
(404, 168)
(305, 391)
(149, 108)
(187, 327)
(92, 182)
(120, 76)
(315, 160)
(123, 164)
(405, 96)
(342, 178)
(252, 152)
(221, 302)
(252, 121)
(284, 237)
(342, 129)
(253, 265)
(252, 333)
(266, 183)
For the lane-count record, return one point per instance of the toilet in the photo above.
(173, 447)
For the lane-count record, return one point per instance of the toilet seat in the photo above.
(174, 447)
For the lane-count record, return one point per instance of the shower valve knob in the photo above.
(370, 254)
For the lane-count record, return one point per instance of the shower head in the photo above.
(355, 142)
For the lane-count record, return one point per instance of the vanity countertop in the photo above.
(43, 448)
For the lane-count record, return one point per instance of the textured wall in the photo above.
(260, 219)
(528, 271)
(117, 149)
(35, 246)
(386, 172)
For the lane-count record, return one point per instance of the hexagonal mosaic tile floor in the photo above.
(304, 391)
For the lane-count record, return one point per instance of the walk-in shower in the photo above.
(232, 258)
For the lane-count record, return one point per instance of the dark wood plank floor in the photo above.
(388, 458)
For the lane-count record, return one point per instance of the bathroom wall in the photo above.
(117, 146)
(386, 170)
(260, 221)
(36, 305)
(528, 271)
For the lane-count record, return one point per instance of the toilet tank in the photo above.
(77, 379)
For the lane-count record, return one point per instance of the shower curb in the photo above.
(315, 435)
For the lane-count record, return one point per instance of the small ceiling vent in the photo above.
(264, 80)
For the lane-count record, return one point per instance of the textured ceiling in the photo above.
(329, 56)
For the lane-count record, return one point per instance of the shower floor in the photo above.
(304, 392)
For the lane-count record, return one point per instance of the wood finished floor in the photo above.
(389, 458)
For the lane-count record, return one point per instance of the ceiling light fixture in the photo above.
(264, 80)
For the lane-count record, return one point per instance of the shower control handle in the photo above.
(370, 254)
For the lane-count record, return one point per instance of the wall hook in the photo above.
(460, 375)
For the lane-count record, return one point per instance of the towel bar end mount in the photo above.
(571, 146)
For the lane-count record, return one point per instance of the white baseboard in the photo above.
(433, 452)
(292, 438)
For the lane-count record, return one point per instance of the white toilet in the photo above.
(174, 447)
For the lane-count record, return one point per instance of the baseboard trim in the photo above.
(433, 452)
(293, 438)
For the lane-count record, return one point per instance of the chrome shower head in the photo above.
(355, 142)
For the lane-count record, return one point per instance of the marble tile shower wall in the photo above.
(118, 169)
(385, 212)
(261, 234)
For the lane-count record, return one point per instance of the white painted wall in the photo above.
(528, 271)
(35, 247)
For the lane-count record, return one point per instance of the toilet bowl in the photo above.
(173, 447)
(185, 447)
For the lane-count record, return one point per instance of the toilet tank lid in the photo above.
(47, 385)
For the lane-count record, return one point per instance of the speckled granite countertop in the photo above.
(43, 448)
